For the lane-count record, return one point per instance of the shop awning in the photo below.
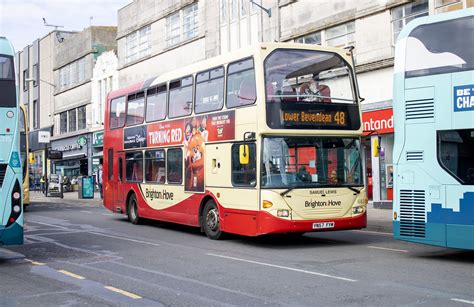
(73, 157)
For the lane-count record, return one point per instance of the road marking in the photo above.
(51, 225)
(462, 301)
(84, 211)
(374, 232)
(123, 292)
(107, 214)
(71, 274)
(283, 267)
(388, 249)
(124, 238)
(34, 262)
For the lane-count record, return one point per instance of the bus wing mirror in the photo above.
(244, 154)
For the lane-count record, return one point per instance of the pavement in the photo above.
(378, 220)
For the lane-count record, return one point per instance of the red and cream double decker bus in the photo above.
(263, 140)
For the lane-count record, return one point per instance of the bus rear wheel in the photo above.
(132, 210)
(210, 221)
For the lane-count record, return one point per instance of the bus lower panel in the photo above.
(12, 235)
(268, 224)
(444, 235)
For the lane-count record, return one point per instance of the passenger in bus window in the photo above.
(313, 91)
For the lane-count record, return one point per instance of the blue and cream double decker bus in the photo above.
(434, 131)
(11, 215)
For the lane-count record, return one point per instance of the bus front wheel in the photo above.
(132, 210)
(210, 221)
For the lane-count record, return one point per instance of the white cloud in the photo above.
(22, 23)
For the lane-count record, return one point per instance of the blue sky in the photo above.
(22, 21)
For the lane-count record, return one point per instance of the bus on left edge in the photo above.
(11, 181)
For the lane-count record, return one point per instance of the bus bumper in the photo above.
(268, 224)
(12, 235)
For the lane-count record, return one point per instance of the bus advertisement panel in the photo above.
(11, 182)
(434, 131)
(241, 144)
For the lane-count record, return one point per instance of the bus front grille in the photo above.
(412, 213)
(3, 171)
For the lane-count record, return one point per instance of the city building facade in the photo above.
(72, 110)
(34, 67)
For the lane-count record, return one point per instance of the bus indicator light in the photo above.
(10, 114)
(267, 204)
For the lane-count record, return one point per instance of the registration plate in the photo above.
(323, 225)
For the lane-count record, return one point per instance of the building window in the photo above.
(35, 114)
(155, 170)
(341, 36)
(404, 14)
(63, 123)
(134, 166)
(182, 25)
(72, 120)
(72, 74)
(223, 10)
(81, 118)
(234, 10)
(25, 83)
(35, 75)
(138, 44)
(312, 38)
(442, 6)
(175, 166)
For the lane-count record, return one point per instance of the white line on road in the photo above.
(124, 238)
(123, 292)
(462, 301)
(46, 224)
(282, 267)
(84, 211)
(374, 232)
(388, 249)
(34, 262)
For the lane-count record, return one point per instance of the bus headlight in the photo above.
(283, 213)
(16, 209)
(16, 196)
(358, 210)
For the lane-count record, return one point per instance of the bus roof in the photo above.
(6, 47)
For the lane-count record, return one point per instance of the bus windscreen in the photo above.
(308, 89)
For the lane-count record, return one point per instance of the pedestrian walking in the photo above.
(98, 179)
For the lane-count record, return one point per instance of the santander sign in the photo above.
(380, 121)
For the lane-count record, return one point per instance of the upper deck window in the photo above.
(136, 108)
(181, 97)
(209, 90)
(241, 89)
(156, 103)
(443, 47)
(308, 89)
(117, 112)
(6, 68)
(7, 82)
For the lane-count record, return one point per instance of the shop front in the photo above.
(37, 158)
(97, 150)
(378, 149)
(76, 152)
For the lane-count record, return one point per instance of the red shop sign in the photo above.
(380, 121)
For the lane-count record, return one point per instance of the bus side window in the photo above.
(110, 167)
(120, 168)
